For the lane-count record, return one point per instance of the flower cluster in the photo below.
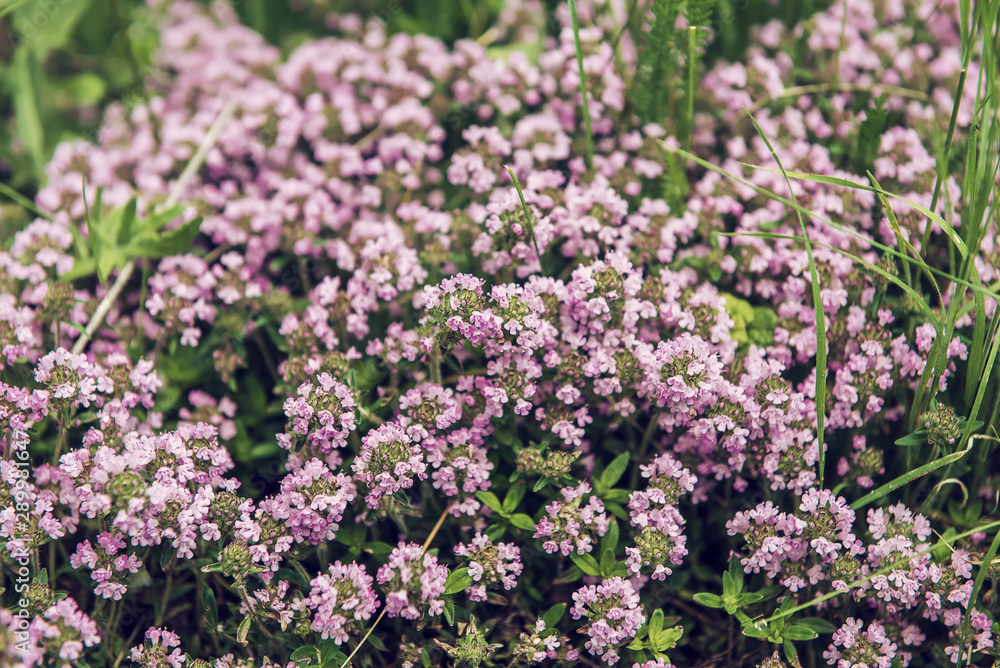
(372, 322)
(339, 600)
(413, 582)
(489, 564)
(389, 461)
(613, 615)
(571, 525)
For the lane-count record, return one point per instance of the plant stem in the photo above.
(583, 84)
(175, 194)
(427, 543)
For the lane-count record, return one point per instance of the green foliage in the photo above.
(657, 62)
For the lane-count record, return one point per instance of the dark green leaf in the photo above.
(615, 470)
(607, 563)
(553, 615)
(708, 600)
(127, 220)
(798, 632)
(610, 539)
(211, 608)
(379, 549)
(167, 553)
(586, 563)
(817, 624)
(513, 498)
(491, 500)
(791, 653)
(458, 580)
(522, 521)
(918, 437)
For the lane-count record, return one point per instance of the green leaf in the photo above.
(513, 498)
(166, 554)
(798, 632)
(243, 630)
(307, 652)
(616, 495)
(748, 598)
(159, 219)
(540, 484)
(586, 563)
(728, 589)
(24, 74)
(496, 532)
(522, 521)
(458, 580)
(918, 437)
(491, 500)
(666, 639)
(817, 624)
(610, 539)
(553, 615)
(449, 612)
(637, 645)
(709, 600)
(210, 606)
(608, 563)
(615, 470)
(736, 574)
(172, 242)
(127, 220)
(752, 631)
(791, 653)
(656, 623)
(378, 548)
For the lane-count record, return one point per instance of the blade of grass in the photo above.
(909, 477)
(882, 571)
(868, 265)
(692, 61)
(27, 109)
(967, 32)
(23, 201)
(583, 83)
(527, 216)
(815, 216)
(13, 7)
(976, 588)
(834, 181)
(818, 310)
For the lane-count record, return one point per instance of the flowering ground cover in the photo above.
(650, 333)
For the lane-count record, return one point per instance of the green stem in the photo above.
(692, 55)
(166, 599)
(435, 364)
(647, 437)
(583, 83)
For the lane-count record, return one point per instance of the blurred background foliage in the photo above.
(63, 61)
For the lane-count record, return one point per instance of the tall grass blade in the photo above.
(817, 309)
